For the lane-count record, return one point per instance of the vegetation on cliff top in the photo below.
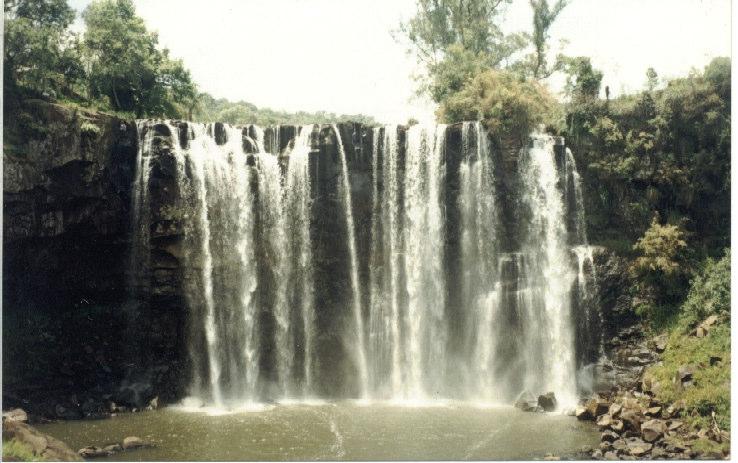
(115, 65)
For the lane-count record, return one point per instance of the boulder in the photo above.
(615, 409)
(604, 421)
(133, 442)
(617, 425)
(43, 446)
(632, 420)
(660, 343)
(685, 373)
(16, 414)
(637, 447)
(582, 413)
(652, 430)
(675, 424)
(597, 406)
(547, 401)
(619, 445)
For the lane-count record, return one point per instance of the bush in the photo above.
(709, 293)
(508, 106)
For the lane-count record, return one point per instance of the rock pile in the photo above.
(634, 425)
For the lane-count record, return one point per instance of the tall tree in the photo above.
(543, 18)
(471, 24)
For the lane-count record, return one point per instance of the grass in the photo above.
(14, 450)
(711, 383)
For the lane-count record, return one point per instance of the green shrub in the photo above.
(709, 293)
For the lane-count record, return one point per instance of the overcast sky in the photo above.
(339, 55)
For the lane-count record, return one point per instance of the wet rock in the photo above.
(582, 413)
(93, 452)
(547, 401)
(16, 414)
(67, 412)
(609, 436)
(220, 134)
(154, 403)
(135, 393)
(652, 430)
(133, 442)
(113, 448)
(526, 402)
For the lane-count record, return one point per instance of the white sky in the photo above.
(339, 55)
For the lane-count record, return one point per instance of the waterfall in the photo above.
(475, 281)
(140, 259)
(408, 325)
(586, 281)
(360, 348)
(296, 284)
(549, 358)
(386, 264)
(481, 291)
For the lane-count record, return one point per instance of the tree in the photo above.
(543, 18)
(472, 24)
(652, 79)
(40, 55)
(457, 39)
(127, 67)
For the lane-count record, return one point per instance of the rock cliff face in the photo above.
(66, 198)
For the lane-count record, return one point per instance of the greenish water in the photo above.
(346, 431)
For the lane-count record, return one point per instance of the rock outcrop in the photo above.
(42, 446)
